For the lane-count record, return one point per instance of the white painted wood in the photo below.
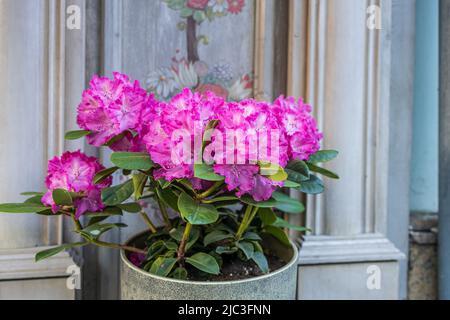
(346, 281)
(42, 78)
(355, 79)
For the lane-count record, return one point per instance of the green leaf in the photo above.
(117, 194)
(297, 171)
(179, 273)
(291, 184)
(281, 223)
(247, 248)
(272, 171)
(96, 230)
(162, 266)
(164, 183)
(55, 250)
(32, 193)
(168, 197)
(132, 207)
(323, 171)
(62, 197)
(195, 212)
(260, 259)
(214, 236)
(103, 174)
(323, 156)
(204, 262)
(22, 207)
(206, 172)
(267, 216)
(287, 204)
(35, 199)
(132, 160)
(278, 233)
(260, 204)
(221, 199)
(312, 186)
(76, 134)
(226, 250)
(139, 181)
(251, 236)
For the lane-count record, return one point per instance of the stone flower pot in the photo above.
(137, 284)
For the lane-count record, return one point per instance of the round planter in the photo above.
(137, 284)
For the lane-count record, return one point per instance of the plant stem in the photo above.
(76, 222)
(249, 215)
(118, 246)
(165, 215)
(211, 190)
(184, 240)
(147, 220)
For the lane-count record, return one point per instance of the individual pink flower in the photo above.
(74, 172)
(171, 129)
(110, 107)
(299, 125)
(235, 6)
(197, 4)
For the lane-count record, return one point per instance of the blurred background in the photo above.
(369, 68)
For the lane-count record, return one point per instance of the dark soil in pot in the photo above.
(235, 269)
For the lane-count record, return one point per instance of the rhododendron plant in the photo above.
(218, 170)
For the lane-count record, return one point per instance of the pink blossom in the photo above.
(110, 107)
(74, 172)
(171, 130)
(299, 125)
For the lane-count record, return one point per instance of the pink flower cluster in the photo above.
(172, 132)
(74, 172)
(111, 106)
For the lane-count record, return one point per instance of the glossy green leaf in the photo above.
(291, 184)
(132, 160)
(195, 212)
(104, 174)
(322, 171)
(278, 233)
(62, 197)
(247, 248)
(163, 266)
(287, 204)
(169, 197)
(76, 134)
(261, 261)
(281, 223)
(32, 193)
(251, 235)
(214, 236)
(272, 171)
(22, 207)
(206, 172)
(312, 186)
(267, 216)
(323, 156)
(132, 207)
(55, 250)
(179, 273)
(260, 204)
(226, 250)
(117, 194)
(204, 262)
(96, 230)
(139, 181)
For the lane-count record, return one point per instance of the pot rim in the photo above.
(289, 264)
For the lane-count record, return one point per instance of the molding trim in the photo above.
(347, 249)
(19, 264)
